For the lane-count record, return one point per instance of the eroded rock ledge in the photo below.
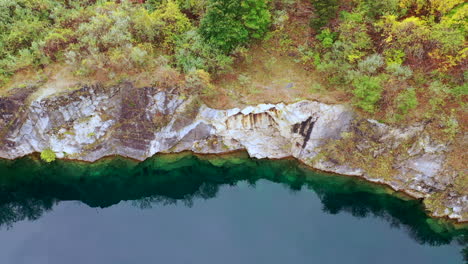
(94, 122)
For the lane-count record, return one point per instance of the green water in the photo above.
(187, 209)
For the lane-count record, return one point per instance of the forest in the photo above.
(393, 60)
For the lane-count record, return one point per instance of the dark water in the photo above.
(187, 209)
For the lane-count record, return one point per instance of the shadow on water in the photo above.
(28, 188)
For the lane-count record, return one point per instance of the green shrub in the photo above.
(200, 81)
(308, 55)
(439, 94)
(48, 155)
(356, 42)
(279, 18)
(406, 101)
(195, 7)
(451, 125)
(375, 9)
(401, 72)
(193, 53)
(460, 90)
(57, 40)
(146, 26)
(367, 92)
(256, 17)
(10, 64)
(394, 56)
(22, 33)
(332, 65)
(325, 10)
(139, 56)
(371, 64)
(230, 23)
(327, 38)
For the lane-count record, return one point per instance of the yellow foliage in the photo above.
(146, 24)
(457, 19)
(175, 22)
(406, 32)
(433, 6)
(443, 6)
(164, 24)
(451, 34)
(355, 56)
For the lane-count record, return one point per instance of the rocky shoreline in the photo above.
(94, 122)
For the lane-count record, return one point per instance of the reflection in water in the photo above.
(28, 188)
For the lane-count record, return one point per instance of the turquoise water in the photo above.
(188, 209)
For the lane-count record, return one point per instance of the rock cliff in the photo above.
(94, 121)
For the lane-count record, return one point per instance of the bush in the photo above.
(139, 56)
(22, 33)
(401, 72)
(451, 125)
(439, 95)
(57, 40)
(308, 55)
(146, 26)
(327, 38)
(10, 64)
(461, 90)
(411, 34)
(48, 155)
(122, 36)
(371, 64)
(104, 40)
(435, 7)
(450, 34)
(256, 17)
(195, 7)
(175, 22)
(332, 65)
(367, 92)
(394, 56)
(356, 42)
(406, 101)
(279, 19)
(230, 23)
(325, 10)
(193, 53)
(375, 9)
(200, 80)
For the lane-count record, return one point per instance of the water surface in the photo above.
(188, 209)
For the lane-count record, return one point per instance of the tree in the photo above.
(175, 23)
(230, 23)
(325, 10)
(256, 17)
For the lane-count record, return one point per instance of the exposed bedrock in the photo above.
(94, 122)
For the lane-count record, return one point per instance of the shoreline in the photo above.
(400, 194)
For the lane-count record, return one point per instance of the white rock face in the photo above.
(95, 122)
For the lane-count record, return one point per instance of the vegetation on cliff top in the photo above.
(396, 60)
